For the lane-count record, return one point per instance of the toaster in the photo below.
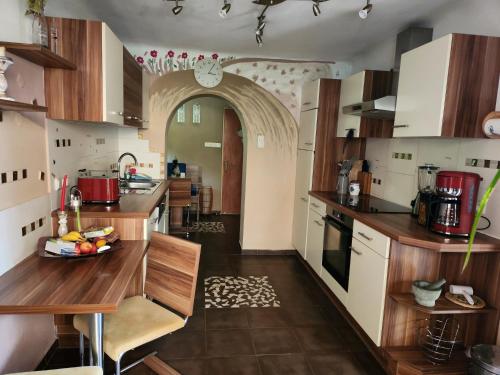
(99, 187)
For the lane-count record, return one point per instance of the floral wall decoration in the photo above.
(158, 63)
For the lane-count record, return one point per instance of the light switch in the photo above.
(260, 141)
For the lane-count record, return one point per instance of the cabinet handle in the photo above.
(365, 236)
(304, 199)
(308, 143)
(315, 205)
(319, 223)
(401, 126)
(356, 251)
(306, 103)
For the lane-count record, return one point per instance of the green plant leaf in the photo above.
(482, 205)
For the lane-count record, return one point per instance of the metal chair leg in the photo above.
(117, 366)
(82, 351)
(188, 223)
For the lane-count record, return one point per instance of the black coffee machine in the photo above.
(422, 205)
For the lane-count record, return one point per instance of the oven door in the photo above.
(337, 250)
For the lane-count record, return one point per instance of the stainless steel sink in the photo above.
(141, 184)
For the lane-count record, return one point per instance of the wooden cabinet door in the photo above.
(314, 243)
(366, 292)
(307, 129)
(112, 73)
(422, 90)
(310, 95)
(351, 92)
(132, 90)
(299, 234)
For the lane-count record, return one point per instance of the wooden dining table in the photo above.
(93, 286)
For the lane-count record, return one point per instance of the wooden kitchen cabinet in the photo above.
(132, 91)
(361, 87)
(447, 87)
(315, 236)
(367, 289)
(94, 91)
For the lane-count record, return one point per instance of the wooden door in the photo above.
(232, 163)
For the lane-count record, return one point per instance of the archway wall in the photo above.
(268, 173)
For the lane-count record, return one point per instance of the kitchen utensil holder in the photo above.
(438, 339)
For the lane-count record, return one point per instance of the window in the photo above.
(196, 113)
(181, 114)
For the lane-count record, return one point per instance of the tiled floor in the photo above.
(306, 335)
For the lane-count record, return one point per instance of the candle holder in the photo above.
(5, 62)
(63, 223)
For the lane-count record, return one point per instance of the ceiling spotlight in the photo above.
(177, 9)
(225, 9)
(363, 13)
(258, 38)
(260, 27)
(316, 9)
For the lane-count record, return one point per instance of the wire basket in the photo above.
(438, 339)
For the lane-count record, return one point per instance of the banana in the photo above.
(73, 237)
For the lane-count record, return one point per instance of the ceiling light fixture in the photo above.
(259, 40)
(363, 13)
(261, 24)
(225, 9)
(177, 9)
(316, 10)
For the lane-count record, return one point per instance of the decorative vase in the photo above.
(40, 31)
(5, 62)
(63, 223)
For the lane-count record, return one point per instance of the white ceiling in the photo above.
(292, 31)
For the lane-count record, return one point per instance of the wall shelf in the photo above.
(9, 105)
(443, 306)
(38, 55)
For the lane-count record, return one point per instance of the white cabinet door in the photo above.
(112, 76)
(314, 244)
(307, 129)
(351, 92)
(303, 177)
(310, 95)
(367, 284)
(422, 90)
(299, 236)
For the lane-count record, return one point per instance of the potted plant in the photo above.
(40, 33)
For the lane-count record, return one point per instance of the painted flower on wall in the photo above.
(170, 54)
(215, 56)
(140, 60)
(184, 55)
(154, 53)
(201, 57)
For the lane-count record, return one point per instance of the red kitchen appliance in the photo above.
(99, 187)
(457, 197)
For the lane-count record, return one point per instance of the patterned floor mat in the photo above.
(209, 227)
(237, 291)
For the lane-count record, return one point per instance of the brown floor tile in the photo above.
(233, 366)
(180, 344)
(229, 343)
(305, 316)
(188, 366)
(289, 364)
(335, 363)
(226, 318)
(319, 339)
(274, 341)
(267, 317)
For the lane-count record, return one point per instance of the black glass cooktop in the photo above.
(368, 204)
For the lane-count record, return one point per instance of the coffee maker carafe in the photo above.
(456, 206)
(423, 203)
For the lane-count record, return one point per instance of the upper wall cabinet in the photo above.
(361, 87)
(447, 87)
(310, 95)
(94, 91)
(132, 91)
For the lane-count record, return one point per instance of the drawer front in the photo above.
(310, 95)
(317, 206)
(371, 238)
(314, 244)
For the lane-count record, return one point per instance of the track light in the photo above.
(177, 9)
(316, 9)
(260, 27)
(363, 13)
(259, 40)
(225, 9)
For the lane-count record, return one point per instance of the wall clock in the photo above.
(208, 72)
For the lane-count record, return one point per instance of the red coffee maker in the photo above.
(457, 197)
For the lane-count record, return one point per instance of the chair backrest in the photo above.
(172, 271)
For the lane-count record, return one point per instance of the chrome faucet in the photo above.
(119, 161)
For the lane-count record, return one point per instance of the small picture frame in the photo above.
(181, 114)
(196, 114)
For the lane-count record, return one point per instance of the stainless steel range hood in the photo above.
(385, 107)
(381, 108)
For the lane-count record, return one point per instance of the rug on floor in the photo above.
(237, 291)
(209, 227)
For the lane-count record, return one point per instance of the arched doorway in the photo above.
(269, 165)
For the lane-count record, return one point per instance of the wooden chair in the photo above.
(65, 371)
(180, 198)
(171, 276)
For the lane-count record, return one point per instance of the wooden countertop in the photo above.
(40, 285)
(130, 205)
(405, 229)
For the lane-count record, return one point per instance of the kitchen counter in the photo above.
(405, 229)
(130, 205)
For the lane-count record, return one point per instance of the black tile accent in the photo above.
(4, 178)
(69, 142)
(14, 176)
(40, 222)
(58, 143)
(42, 175)
(24, 231)
(64, 143)
(25, 173)
(33, 226)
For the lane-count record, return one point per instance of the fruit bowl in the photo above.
(48, 254)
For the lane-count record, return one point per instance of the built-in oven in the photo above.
(337, 246)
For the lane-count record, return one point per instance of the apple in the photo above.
(93, 250)
(77, 249)
(86, 247)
